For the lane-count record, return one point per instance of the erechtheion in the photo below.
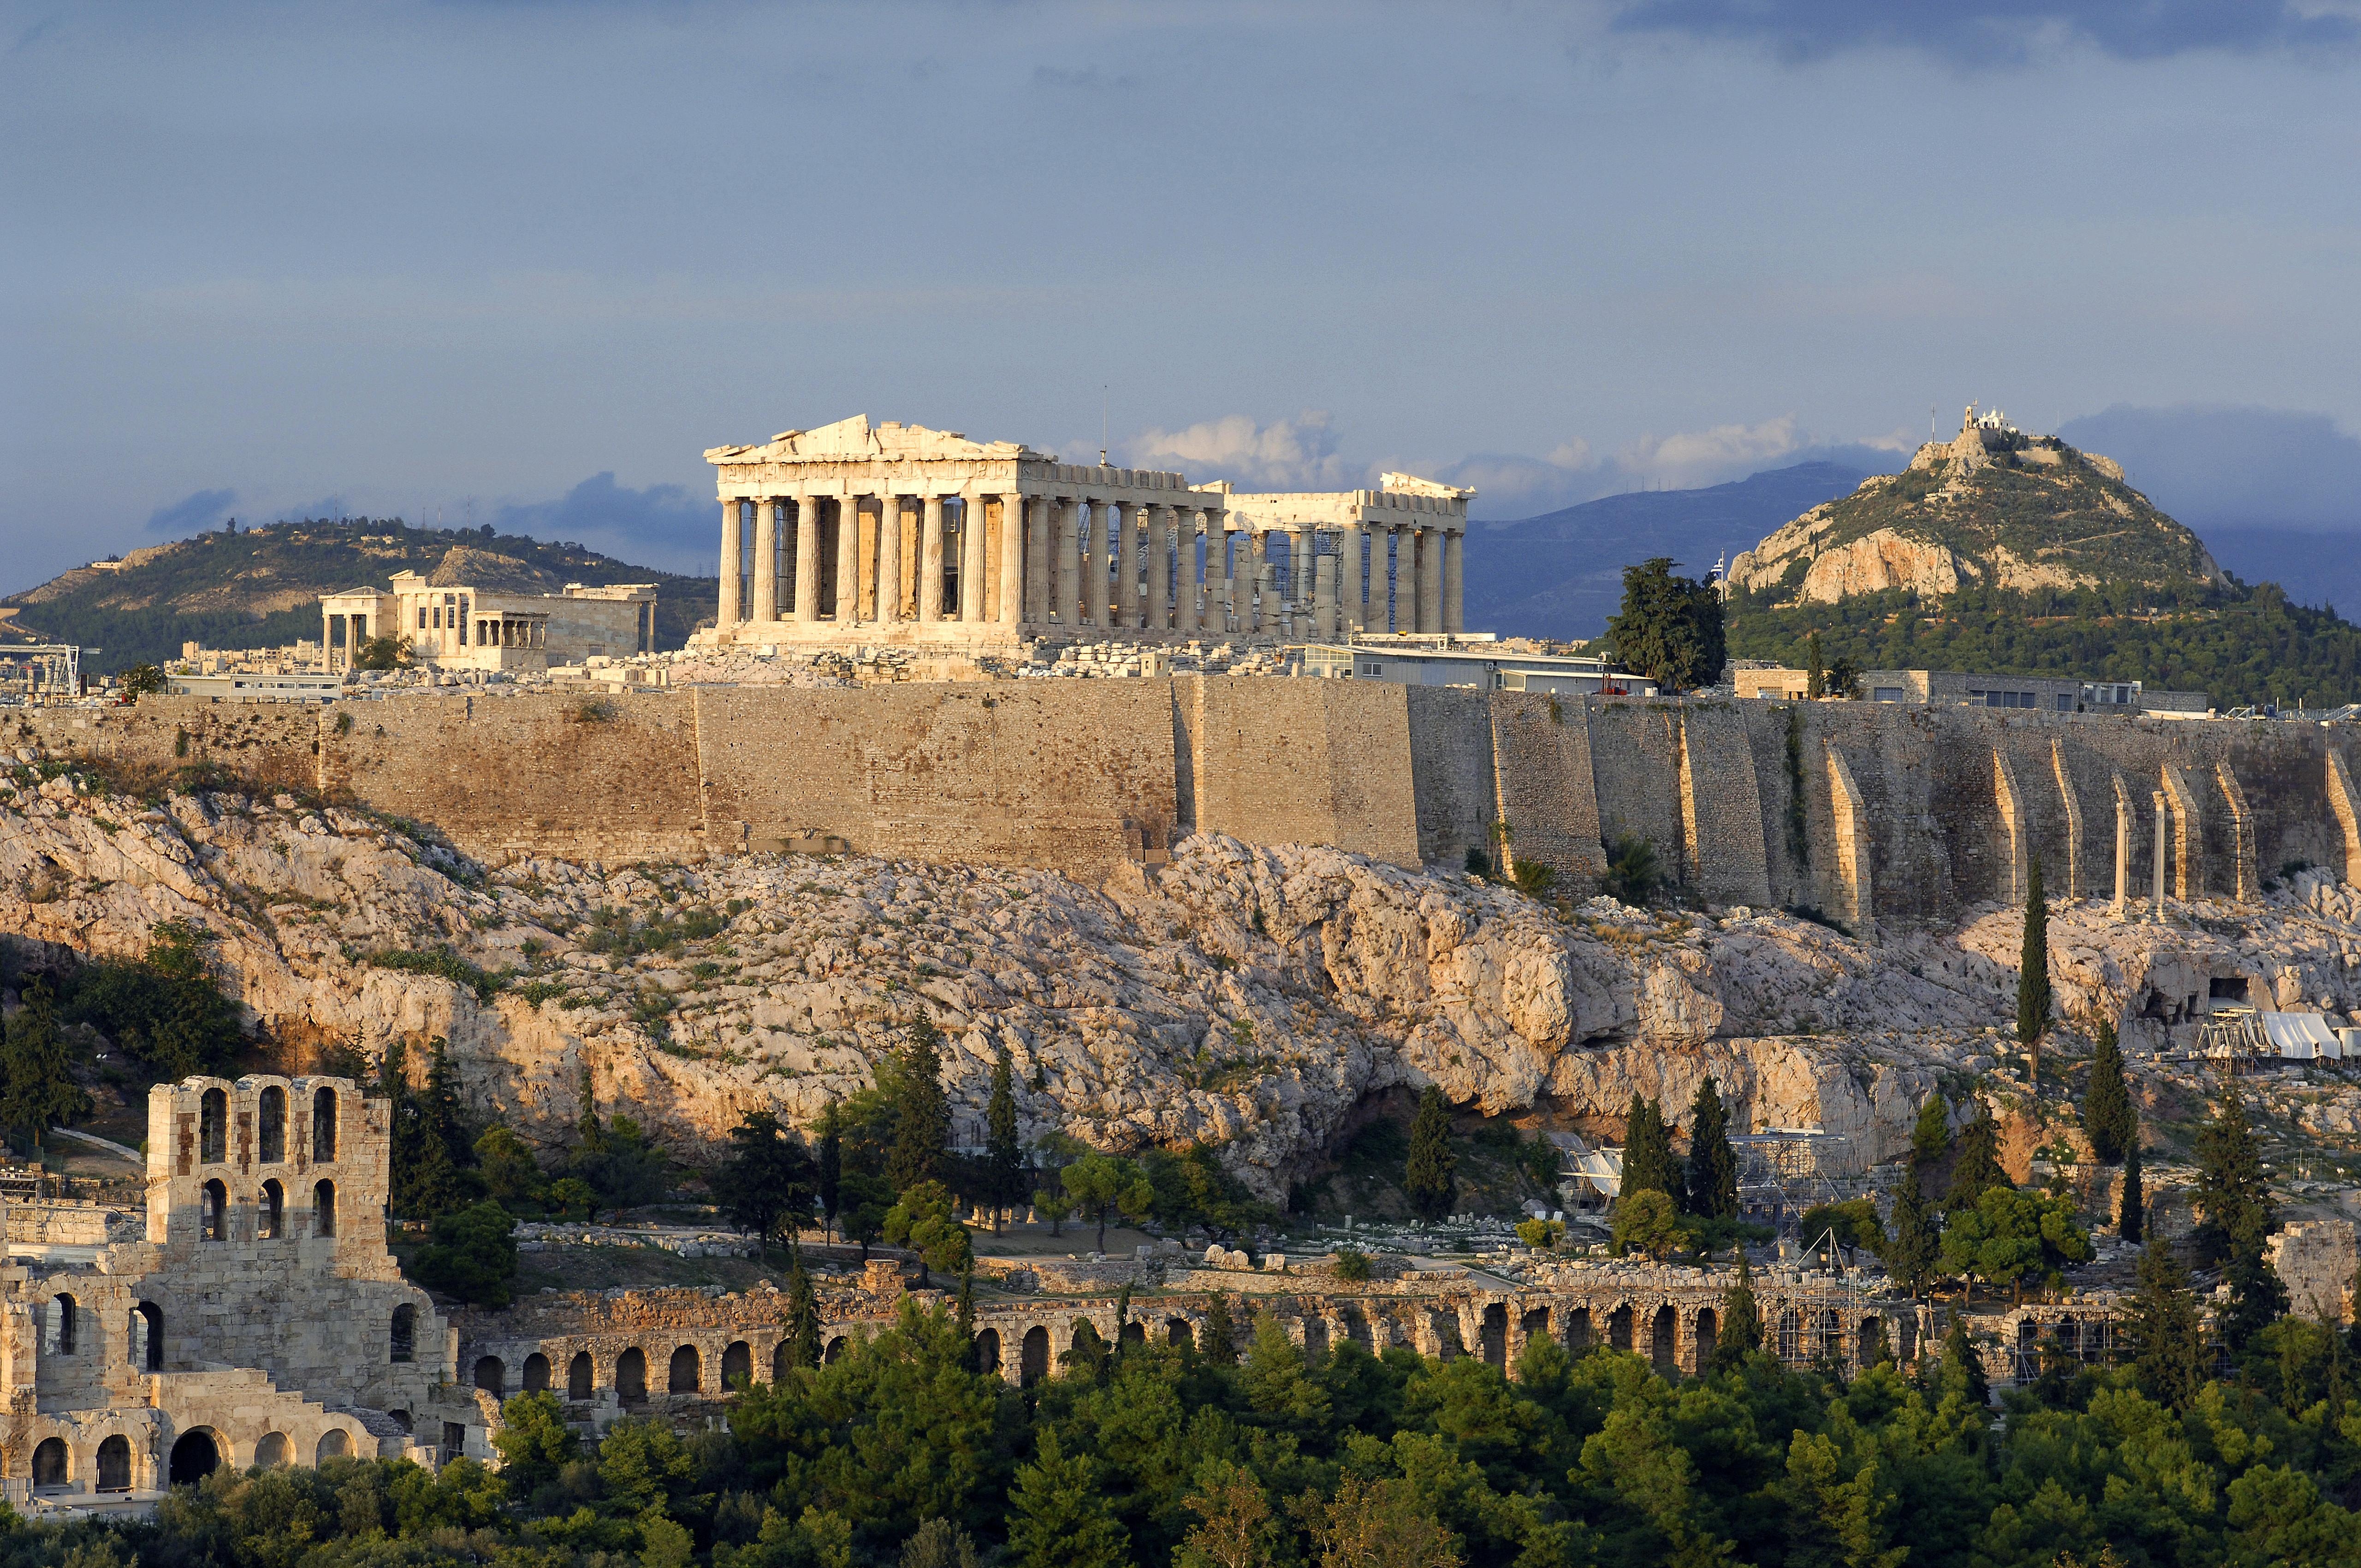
(868, 533)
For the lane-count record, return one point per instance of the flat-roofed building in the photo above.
(1951, 688)
(1472, 661)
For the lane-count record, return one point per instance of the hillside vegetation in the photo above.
(260, 588)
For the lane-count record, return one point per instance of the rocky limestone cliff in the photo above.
(1242, 996)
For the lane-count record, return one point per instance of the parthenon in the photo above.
(897, 534)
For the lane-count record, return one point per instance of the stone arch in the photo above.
(270, 1213)
(1358, 1330)
(632, 1375)
(114, 1463)
(212, 1127)
(334, 1443)
(835, 1349)
(1705, 1334)
(1533, 1324)
(491, 1375)
(214, 1208)
(685, 1374)
(579, 1376)
(195, 1455)
(779, 1361)
(1315, 1338)
(1906, 1338)
(1663, 1341)
(987, 1350)
(1579, 1336)
(737, 1364)
(1492, 1334)
(273, 1452)
(1831, 1347)
(1033, 1356)
(49, 1465)
(1869, 1341)
(271, 1129)
(402, 1418)
(324, 1208)
(1619, 1327)
(403, 1340)
(1134, 1332)
(1177, 1330)
(323, 1126)
(537, 1373)
(147, 1328)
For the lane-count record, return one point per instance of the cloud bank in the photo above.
(2005, 32)
(662, 526)
(2233, 465)
(1297, 454)
(193, 513)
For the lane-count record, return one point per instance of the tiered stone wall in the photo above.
(1278, 760)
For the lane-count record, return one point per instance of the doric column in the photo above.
(1299, 578)
(766, 560)
(848, 560)
(1266, 614)
(1122, 603)
(1066, 523)
(1353, 599)
(1184, 597)
(1159, 569)
(733, 550)
(1324, 595)
(1012, 558)
(1453, 617)
(970, 557)
(1040, 526)
(889, 558)
(806, 558)
(1429, 579)
(930, 560)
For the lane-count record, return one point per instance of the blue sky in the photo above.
(525, 261)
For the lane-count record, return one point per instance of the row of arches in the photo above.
(683, 1372)
(68, 1331)
(270, 1223)
(271, 1125)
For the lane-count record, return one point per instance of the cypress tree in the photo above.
(922, 1114)
(1978, 1169)
(2033, 977)
(1648, 1152)
(2231, 1195)
(1931, 1137)
(36, 1084)
(803, 1316)
(2161, 1331)
(2109, 1120)
(2131, 1217)
(967, 1305)
(832, 1166)
(1004, 1154)
(1430, 1176)
(1739, 1334)
(1220, 1343)
(1911, 1248)
(1713, 1164)
(1959, 1354)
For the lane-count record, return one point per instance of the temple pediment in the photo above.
(856, 440)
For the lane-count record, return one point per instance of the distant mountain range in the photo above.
(1561, 574)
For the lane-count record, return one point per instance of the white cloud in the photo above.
(1297, 454)
(1709, 456)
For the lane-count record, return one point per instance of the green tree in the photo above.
(37, 1090)
(1648, 1152)
(1930, 1137)
(830, 1175)
(803, 1315)
(939, 1544)
(472, 1254)
(620, 1164)
(510, 1174)
(1739, 1333)
(766, 1184)
(866, 1200)
(1850, 1224)
(1430, 1177)
(141, 680)
(922, 1112)
(1977, 1170)
(1915, 1242)
(1218, 1341)
(2109, 1118)
(1100, 1184)
(388, 652)
(1713, 1164)
(1961, 1357)
(535, 1443)
(2131, 1215)
(433, 1147)
(1646, 1221)
(2232, 1196)
(2162, 1335)
(2032, 977)
(1003, 1154)
(2011, 1235)
(1669, 627)
(1058, 1514)
(923, 1221)
(167, 1011)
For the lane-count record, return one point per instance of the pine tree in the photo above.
(1913, 1242)
(966, 1318)
(1959, 1355)
(2109, 1119)
(1978, 1169)
(1220, 1340)
(2161, 1331)
(803, 1316)
(830, 1177)
(1930, 1138)
(1059, 1515)
(1739, 1334)
(1004, 1154)
(1430, 1176)
(37, 1083)
(1713, 1164)
(1648, 1152)
(2033, 977)
(2131, 1217)
(2231, 1196)
(922, 1112)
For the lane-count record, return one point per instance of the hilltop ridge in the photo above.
(262, 586)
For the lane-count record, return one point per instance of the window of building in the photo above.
(114, 1464)
(323, 1125)
(215, 1210)
(405, 1331)
(422, 618)
(49, 1464)
(1886, 694)
(323, 1209)
(270, 1213)
(273, 1130)
(2065, 703)
(148, 1336)
(212, 1126)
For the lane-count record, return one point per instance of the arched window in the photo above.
(737, 1364)
(687, 1371)
(114, 1464)
(781, 1359)
(49, 1464)
(270, 1218)
(579, 1375)
(274, 1124)
(272, 1452)
(334, 1443)
(987, 1350)
(148, 1336)
(491, 1375)
(323, 1209)
(217, 1211)
(405, 1331)
(537, 1373)
(62, 1326)
(323, 1125)
(194, 1457)
(212, 1127)
(631, 1376)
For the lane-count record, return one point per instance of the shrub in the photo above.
(1352, 1263)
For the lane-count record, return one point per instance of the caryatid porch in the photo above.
(896, 534)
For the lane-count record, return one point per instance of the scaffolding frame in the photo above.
(42, 669)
